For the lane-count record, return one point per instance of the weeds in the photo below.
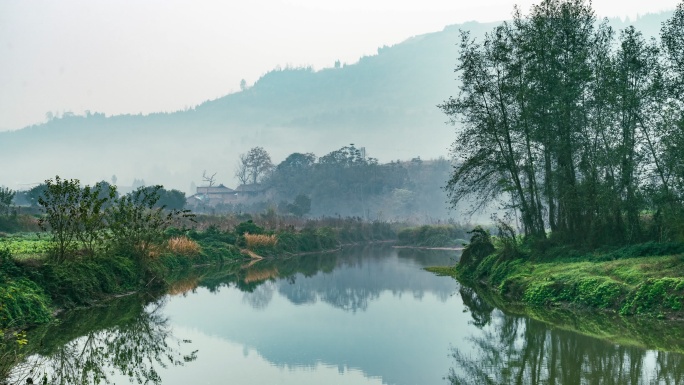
(183, 246)
(260, 241)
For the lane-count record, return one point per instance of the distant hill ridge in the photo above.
(385, 102)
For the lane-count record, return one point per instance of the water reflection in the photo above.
(362, 316)
(127, 338)
(349, 280)
(520, 350)
(370, 311)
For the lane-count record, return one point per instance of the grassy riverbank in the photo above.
(34, 286)
(645, 279)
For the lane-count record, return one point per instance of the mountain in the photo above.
(384, 102)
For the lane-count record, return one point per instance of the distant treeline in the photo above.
(345, 182)
(579, 127)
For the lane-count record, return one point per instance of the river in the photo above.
(361, 316)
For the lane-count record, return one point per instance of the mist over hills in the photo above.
(385, 103)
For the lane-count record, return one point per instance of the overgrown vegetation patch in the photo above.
(649, 286)
(432, 236)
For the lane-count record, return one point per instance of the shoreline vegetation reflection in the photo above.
(133, 336)
(129, 336)
(557, 347)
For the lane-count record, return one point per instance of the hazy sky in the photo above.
(132, 56)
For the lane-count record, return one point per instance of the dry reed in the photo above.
(183, 246)
(182, 287)
(254, 275)
(260, 240)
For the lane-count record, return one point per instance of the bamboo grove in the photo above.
(577, 127)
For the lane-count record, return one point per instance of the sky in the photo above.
(134, 56)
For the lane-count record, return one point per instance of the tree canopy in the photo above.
(576, 127)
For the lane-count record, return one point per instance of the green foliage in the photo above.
(74, 216)
(26, 245)
(432, 236)
(8, 267)
(627, 280)
(168, 199)
(507, 241)
(480, 246)
(643, 250)
(248, 227)
(301, 205)
(90, 216)
(214, 250)
(656, 296)
(6, 197)
(22, 303)
(136, 226)
(35, 193)
(346, 182)
(213, 233)
(253, 166)
(59, 203)
(580, 129)
(83, 282)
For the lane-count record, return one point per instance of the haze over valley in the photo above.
(386, 103)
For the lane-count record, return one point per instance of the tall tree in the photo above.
(493, 145)
(6, 197)
(254, 166)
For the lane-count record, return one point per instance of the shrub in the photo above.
(248, 227)
(22, 302)
(479, 247)
(137, 227)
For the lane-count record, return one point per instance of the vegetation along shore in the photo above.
(576, 131)
(97, 245)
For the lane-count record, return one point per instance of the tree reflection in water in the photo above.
(134, 346)
(520, 350)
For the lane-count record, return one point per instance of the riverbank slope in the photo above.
(643, 280)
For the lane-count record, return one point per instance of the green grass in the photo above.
(26, 245)
(32, 286)
(643, 332)
(633, 285)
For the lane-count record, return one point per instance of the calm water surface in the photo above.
(362, 316)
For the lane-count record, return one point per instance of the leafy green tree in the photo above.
(60, 205)
(301, 205)
(293, 175)
(6, 197)
(669, 135)
(35, 193)
(496, 156)
(91, 225)
(172, 199)
(74, 216)
(168, 199)
(137, 226)
(254, 166)
(106, 189)
(566, 127)
(672, 36)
